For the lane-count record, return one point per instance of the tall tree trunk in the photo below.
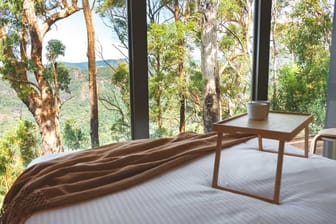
(209, 64)
(94, 125)
(159, 116)
(183, 89)
(274, 50)
(249, 33)
(46, 107)
(180, 46)
(49, 128)
(158, 93)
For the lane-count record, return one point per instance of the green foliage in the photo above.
(120, 78)
(290, 89)
(64, 78)
(115, 12)
(5, 158)
(302, 83)
(235, 23)
(73, 137)
(20, 143)
(295, 94)
(115, 98)
(55, 73)
(17, 149)
(159, 132)
(310, 28)
(168, 47)
(106, 4)
(54, 48)
(118, 111)
(26, 140)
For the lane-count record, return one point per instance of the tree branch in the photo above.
(67, 11)
(116, 107)
(99, 51)
(22, 81)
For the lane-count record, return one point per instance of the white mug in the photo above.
(263, 101)
(257, 110)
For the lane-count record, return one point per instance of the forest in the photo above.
(199, 71)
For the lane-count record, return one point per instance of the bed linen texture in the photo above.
(184, 195)
(104, 170)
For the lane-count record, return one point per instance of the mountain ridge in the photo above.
(99, 63)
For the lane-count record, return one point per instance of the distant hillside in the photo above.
(100, 63)
(76, 109)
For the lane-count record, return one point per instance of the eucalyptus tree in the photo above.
(23, 26)
(160, 42)
(209, 62)
(181, 11)
(91, 54)
(57, 76)
(235, 22)
(171, 38)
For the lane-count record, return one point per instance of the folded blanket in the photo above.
(104, 170)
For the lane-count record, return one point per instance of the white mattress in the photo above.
(184, 195)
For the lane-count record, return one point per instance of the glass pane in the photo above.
(299, 57)
(176, 80)
(115, 120)
(110, 26)
(235, 54)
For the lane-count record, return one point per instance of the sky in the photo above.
(71, 31)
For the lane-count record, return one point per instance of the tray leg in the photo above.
(217, 159)
(278, 173)
(260, 143)
(306, 141)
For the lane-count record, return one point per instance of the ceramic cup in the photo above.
(257, 110)
(263, 101)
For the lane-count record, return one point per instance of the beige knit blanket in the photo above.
(96, 172)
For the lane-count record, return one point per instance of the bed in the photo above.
(184, 193)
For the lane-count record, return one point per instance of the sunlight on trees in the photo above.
(200, 65)
(23, 27)
(302, 81)
(17, 149)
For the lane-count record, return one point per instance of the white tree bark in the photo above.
(209, 63)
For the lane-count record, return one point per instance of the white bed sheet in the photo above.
(184, 195)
